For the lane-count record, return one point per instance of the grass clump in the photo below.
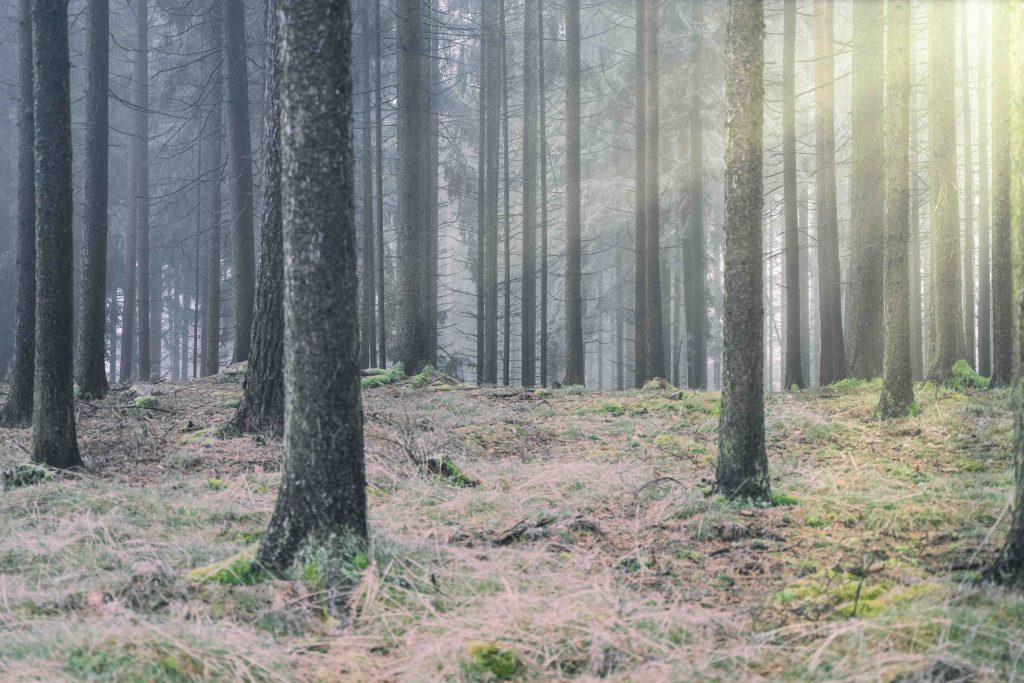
(964, 377)
(25, 474)
(446, 468)
(781, 499)
(240, 569)
(379, 377)
(485, 660)
(145, 402)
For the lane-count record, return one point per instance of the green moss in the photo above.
(964, 377)
(779, 499)
(231, 403)
(240, 569)
(613, 408)
(446, 468)
(379, 377)
(215, 484)
(146, 402)
(25, 474)
(485, 659)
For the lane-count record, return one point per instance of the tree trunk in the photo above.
(867, 217)
(742, 470)
(506, 185)
(18, 409)
(379, 125)
(984, 252)
(695, 270)
(575, 352)
(947, 304)
(543, 102)
(262, 406)
(898, 389)
(140, 152)
(54, 442)
(240, 168)
(493, 127)
(1002, 245)
(830, 301)
(322, 498)
(481, 205)
(640, 232)
(655, 318)
(528, 344)
(368, 346)
(968, 255)
(803, 284)
(211, 328)
(794, 376)
(916, 322)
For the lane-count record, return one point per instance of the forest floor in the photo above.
(590, 547)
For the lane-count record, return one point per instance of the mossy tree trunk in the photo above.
(322, 495)
(742, 470)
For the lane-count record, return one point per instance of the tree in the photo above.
(531, 37)
(655, 333)
(17, 411)
(1002, 246)
(947, 306)
(968, 255)
(898, 388)
(492, 13)
(640, 232)
(240, 169)
(794, 294)
(695, 293)
(867, 219)
(91, 372)
(481, 203)
(984, 226)
(832, 367)
(322, 496)
(368, 309)
(215, 161)
(262, 406)
(379, 173)
(742, 469)
(506, 185)
(542, 97)
(149, 362)
(54, 442)
(575, 360)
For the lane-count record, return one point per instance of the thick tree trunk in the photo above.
(91, 371)
(898, 389)
(575, 358)
(832, 367)
(528, 343)
(984, 251)
(867, 217)
(916, 322)
(262, 406)
(655, 318)
(54, 442)
(947, 304)
(640, 233)
(140, 147)
(1002, 245)
(968, 255)
(322, 497)
(742, 470)
(240, 169)
(17, 411)
(794, 376)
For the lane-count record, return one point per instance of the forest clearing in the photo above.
(590, 545)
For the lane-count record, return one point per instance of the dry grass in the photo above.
(591, 548)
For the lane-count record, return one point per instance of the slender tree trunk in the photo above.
(211, 331)
(916, 322)
(968, 260)
(198, 300)
(984, 252)
(1002, 245)
(506, 185)
(898, 389)
(867, 218)
(54, 442)
(803, 283)
(830, 301)
(140, 145)
(620, 323)
(947, 304)
(481, 206)
(492, 26)
(542, 98)
(794, 368)
(368, 347)
(640, 232)
(528, 344)
(575, 351)
(262, 406)
(655, 322)
(379, 158)
(323, 482)
(695, 267)
(240, 169)
(742, 470)
(17, 411)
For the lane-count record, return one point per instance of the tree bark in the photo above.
(140, 147)
(506, 186)
(240, 169)
(368, 326)
(742, 469)
(655, 317)
(984, 251)
(542, 97)
(694, 277)
(575, 360)
(947, 304)
(968, 255)
(17, 411)
(528, 343)
(898, 388)
(832, 367)
(640, 233)
(379, 142)
(1002, 245)
(916, 322)
(794, 376)
(262, 406)
(481, 206)
(215, 161)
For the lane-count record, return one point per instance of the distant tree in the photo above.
(17, 411)
(984, 225)
(368, 308)
(54, 442)
(655, 334)
(830, 301)
(494, 91)
(481, 203)
(575, 361)
(968, 157)
(1002, 245)
(542, 97)
(528, 345)
(378, 114)
(898, 389)
(148, 338)
(867, 217)
(695, 268)
(947, 304)
(794, 290)
(91, 372)
(213, 154)
(322, 496)
(506, 349)
(262, 406)
(640, 232)
(742, 470)
(243, 273)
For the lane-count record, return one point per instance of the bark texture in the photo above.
(695, 269)
(655, 315)
(149, 363)
(528, 343)
(640, 230)
(984, 225)
(1002, 246)
(794, 376)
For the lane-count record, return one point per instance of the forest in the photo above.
(512, 340)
